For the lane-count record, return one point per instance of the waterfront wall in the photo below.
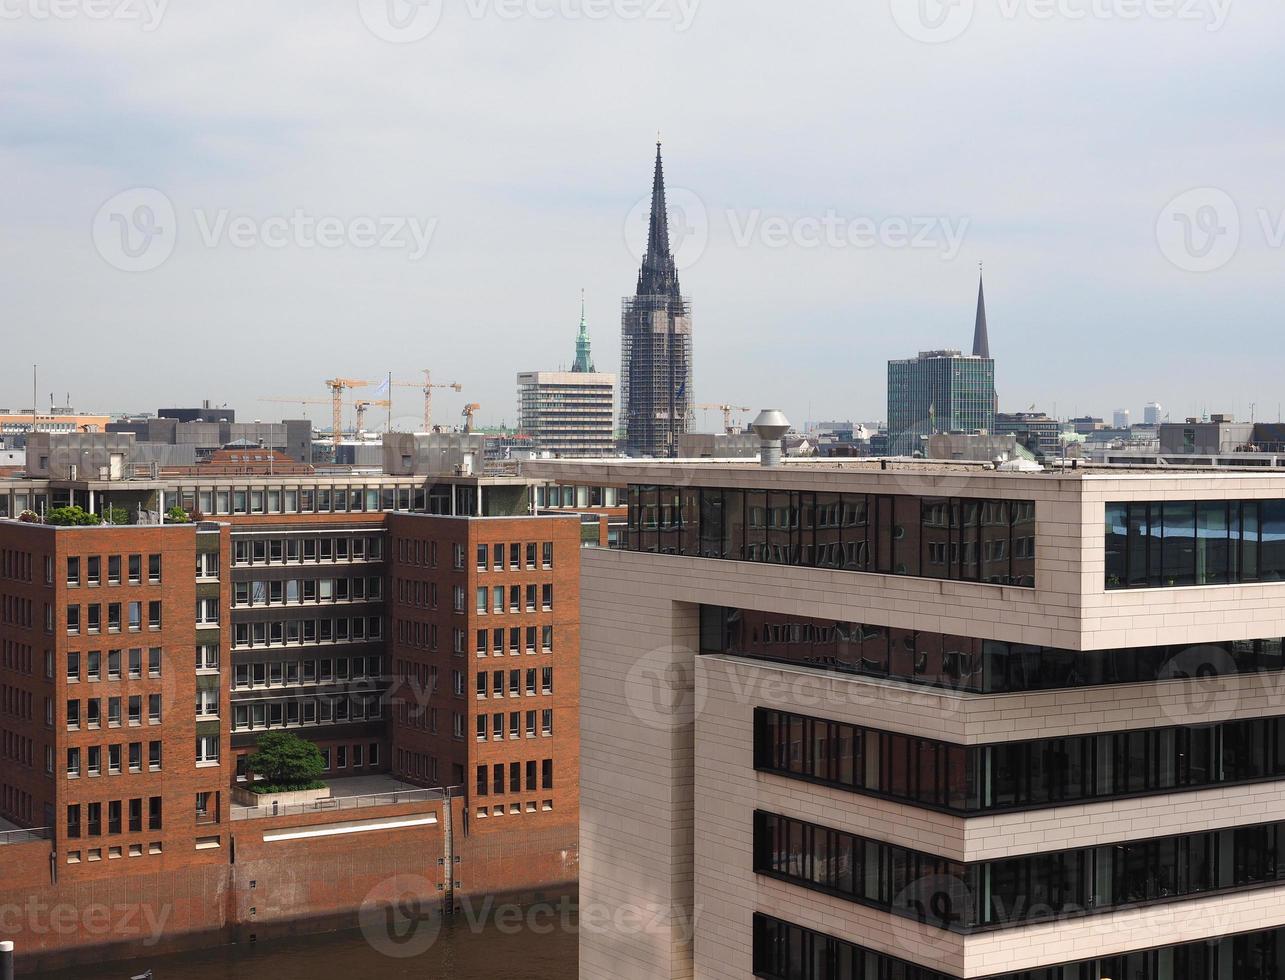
(283, 875)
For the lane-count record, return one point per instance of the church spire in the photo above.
(584, 360)
(658, 276)
(981, 341)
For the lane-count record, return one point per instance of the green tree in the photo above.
(177, 515)
(286, 762)
(115, 515)
(73, 516)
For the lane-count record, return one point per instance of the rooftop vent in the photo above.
(770, 426)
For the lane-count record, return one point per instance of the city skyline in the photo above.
(1067, 225)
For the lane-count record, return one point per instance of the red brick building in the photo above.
(140, 664)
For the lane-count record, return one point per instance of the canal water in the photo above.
(543, 949)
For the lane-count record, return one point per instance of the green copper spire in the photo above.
(584, 362)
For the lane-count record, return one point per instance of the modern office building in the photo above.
(569, 413)
(942, 391)
(656, 345)
(1121, 418)
(938, 391)
(1153, 413)
(934, 722)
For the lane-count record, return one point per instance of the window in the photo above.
(154, 662)
(154, 614)
(481, 557)
(207, 657)
(546, 595)
(135, 569)
(153, 813)
(207, 749)
(547, 554)
(73, 571)
(546, 774)
(546, 721)
(154, 569)
(93, 569)
(481, 599)
(136, 615)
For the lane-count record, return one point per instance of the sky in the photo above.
(237, 200)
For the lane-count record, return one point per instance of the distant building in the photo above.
(205, 437)
(1219, 435)
(719, 445)
(1034, 430)
(1153, 414)
(569, 414)
(206, 413)
(1120, 418)
(1087, 424)
(942, 391)
(938, 391)
(64, 419)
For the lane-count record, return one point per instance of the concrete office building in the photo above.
(1153, 413)
(568, 413)
(930, 722)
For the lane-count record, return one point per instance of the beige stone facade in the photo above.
(669, 785)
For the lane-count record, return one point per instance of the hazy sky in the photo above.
(237, 199)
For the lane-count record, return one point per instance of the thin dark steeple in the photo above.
(981, 341)
(658, 275)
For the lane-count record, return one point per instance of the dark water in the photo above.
(459, 950)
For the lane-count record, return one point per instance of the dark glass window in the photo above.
(988, 895)
(962, 663)
(947, 538)
(1017, 775)
(1209, 542)
(783, 951)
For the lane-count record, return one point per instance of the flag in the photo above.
(383, 387)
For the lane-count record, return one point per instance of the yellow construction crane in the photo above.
(469, 409)
(727, 411)
(427, 387)
(337, 388)
(362, 406)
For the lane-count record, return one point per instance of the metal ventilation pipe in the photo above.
(771, 427)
